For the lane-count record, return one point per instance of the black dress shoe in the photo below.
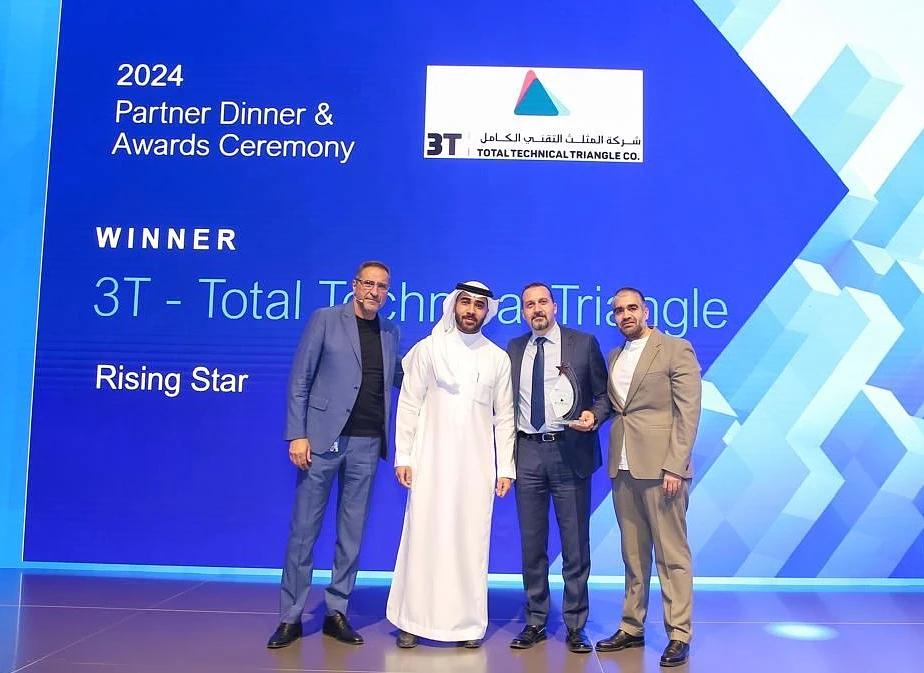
(472, 644)
(620, 641)
(577, 641)
(337, 626)
(675, 653)
(285, 634)
(529, 636)
(406, 640)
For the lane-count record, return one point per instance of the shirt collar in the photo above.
(637, 344)
(553, 335)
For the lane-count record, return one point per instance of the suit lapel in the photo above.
(614, 355)
(516, 364)
(567, 347)
(650, 352)
(352, 330)
(388, 356)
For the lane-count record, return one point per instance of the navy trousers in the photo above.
(544, 477)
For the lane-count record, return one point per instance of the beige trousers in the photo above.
(648, 520)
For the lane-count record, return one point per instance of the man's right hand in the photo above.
(403, 473)
(300, 453)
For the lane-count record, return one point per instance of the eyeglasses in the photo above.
(371, 284)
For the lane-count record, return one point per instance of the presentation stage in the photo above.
(219, 171)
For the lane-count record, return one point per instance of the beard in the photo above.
(539, 321)
(469, 329)
(633, 330)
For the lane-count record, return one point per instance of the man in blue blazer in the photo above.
(339, 413)
(555, 460)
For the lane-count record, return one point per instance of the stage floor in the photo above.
(54, 623)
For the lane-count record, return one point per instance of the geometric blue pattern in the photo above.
(896, 200)
(738, 19)
(810, 458)
(846, 104)
(902, 370)
(824, 474)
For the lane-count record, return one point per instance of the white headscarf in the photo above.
(443, 332)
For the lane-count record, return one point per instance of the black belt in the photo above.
(542, 436)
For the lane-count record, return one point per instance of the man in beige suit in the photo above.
(655, 391)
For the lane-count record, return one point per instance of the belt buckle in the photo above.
(547, 437)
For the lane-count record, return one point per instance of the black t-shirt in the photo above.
(368, 416)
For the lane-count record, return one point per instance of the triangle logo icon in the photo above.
(537, 101)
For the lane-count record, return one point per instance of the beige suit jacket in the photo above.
(661, 411)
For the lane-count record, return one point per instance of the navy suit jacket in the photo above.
(327, 372)
(582, 351)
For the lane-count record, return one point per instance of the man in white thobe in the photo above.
(454, 447)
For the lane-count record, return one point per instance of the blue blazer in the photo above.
(327, 372)
(582, 351)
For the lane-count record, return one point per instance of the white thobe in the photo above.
(440, 585)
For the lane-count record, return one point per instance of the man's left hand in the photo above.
(503, 485)
(671, 484)
(585, 422)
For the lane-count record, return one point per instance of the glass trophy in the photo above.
(565, 396)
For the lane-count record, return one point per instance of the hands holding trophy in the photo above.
(566, 401)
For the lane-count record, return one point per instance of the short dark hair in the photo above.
(372, 263)
(641, 295)
(537, 284)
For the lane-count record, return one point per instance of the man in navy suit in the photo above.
(339, 413)
(555, 460)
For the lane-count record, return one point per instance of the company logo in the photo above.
(537, 101)
(471, 114)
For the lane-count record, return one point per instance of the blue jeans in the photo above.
(354, 465)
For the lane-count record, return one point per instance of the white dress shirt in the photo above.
(552, 352)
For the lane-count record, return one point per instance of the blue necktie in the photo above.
(537, 410)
